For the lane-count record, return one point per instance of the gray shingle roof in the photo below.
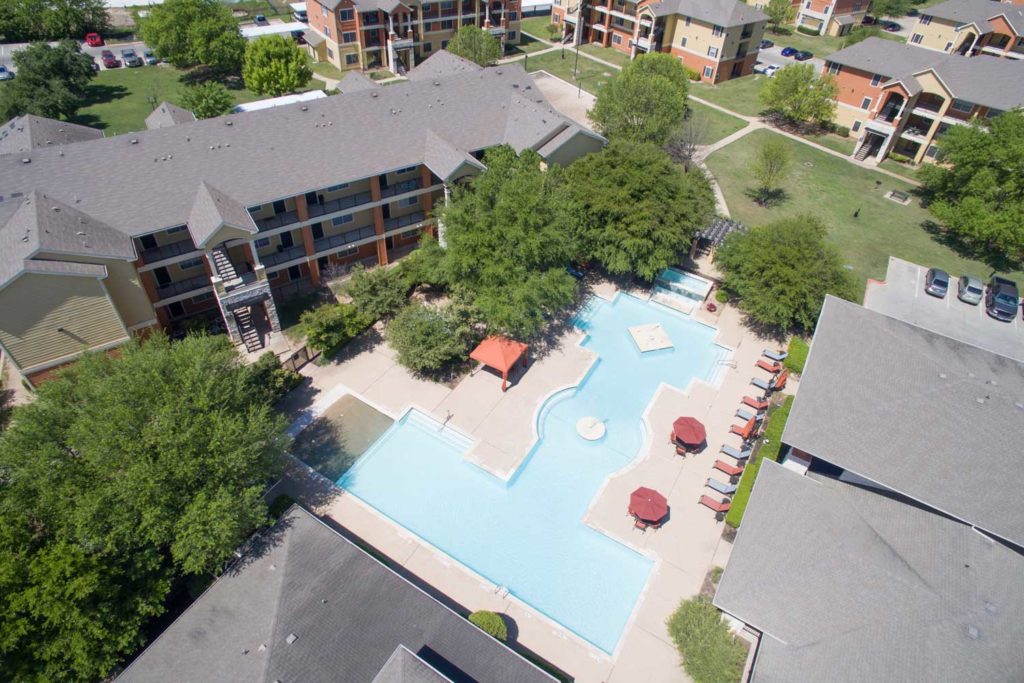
(346, 611)
(405, 667)
(444, 158)
(848, 584)
(166, 115)
(441, 64)
(354, 81)
(213, 209)
(933, 418)
(978, 12)
(29, 132)
(724, 13)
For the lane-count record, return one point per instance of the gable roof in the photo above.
(441, 63)
(25, 133)
(930, 417)
(167, 115)
(723, 13)
(212, 210)
(308, 605)
(354, 81)
(979, 13)
(443, 158)
(849, 584)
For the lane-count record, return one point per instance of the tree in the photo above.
(695, 131)
(506, 242)
(891, 8)
(331, 326)
(633, 210)
(770, 167)
(646, 102)
(26, 20)
(429, 340)
(476, 45)
(378, 292)
(710, 652)
(978, 190)
(206, 100)
(275, 66)
(186, 33)
(798, 94)
(781, 272)
(51, 82)
(490, 623)
(779, 12)
(124, 475)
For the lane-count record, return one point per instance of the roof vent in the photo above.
(942, 375)
(134, 141)
(972, 632)
(990, 608)
(437, 82)
(80, 233)
(291, 638)
(373, 94)
(262, 647)
(228, 122)
(55, 208)
(304, 108)
(26, 160)
(516, 86)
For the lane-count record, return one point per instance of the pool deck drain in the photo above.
(650, 337)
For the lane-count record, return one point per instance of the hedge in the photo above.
(711, 654)
(490, 623)
(770, 445)
(807, 31)
(798, 350)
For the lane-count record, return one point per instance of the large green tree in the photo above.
(192, 32)
(25, 20)
(779, 12)
(124, 474)
(206, 100)
(275, 66)
(506, 242)
(51, 81)
(646, 102)
(781, 272)
(978, 190)
(800, 95)
(634, 210)
(476, 45)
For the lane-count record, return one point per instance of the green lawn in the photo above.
(820, 46)
(327, 69)
(834, 189)
(904, 170)
(119, 100)
(833, 142)
(718, 124)
(591, 75)
(536, 26)
(737, 94)
(608, 54)
(526, 45)
(769, 448)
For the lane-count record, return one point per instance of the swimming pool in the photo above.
(680, 290)
(527, 534)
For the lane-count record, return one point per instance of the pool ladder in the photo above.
(728, 362)
(501, 591)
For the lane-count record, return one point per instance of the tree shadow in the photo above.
(767, 198)
(994, 259)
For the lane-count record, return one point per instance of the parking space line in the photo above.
(917, 282)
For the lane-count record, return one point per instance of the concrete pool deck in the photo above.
(685, 548)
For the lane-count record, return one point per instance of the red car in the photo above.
(93, 40)
(109, 60)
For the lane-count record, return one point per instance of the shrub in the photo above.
(378, 292)
(429, 340)
(807, 31)
(490, 623)
(281, 504)
(798, 350)
(902, 158)
(711, 654)
(770, 445)
(425, 266)
(271, 380)
(722, 296)
(331, 326)
(842, 131)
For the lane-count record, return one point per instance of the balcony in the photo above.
(277, 221)
(168, 251)
(400, 188)
(335, 241)
(339, 204)
(182, 287)
(402, 221)
(283, 256)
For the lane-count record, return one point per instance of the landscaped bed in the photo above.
(769, 448)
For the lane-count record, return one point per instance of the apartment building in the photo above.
(717, 40)
(831, 17)
(898, 98)
(971, 28)
(397, 35)
(224, 219)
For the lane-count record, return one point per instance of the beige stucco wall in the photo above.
(699, 36)
(937, 34)
(34, 307)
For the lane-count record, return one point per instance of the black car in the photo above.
(1002, 299)
(765, 44)
(802, 55)
(892, 27)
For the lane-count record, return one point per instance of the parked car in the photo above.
(130, 57)
(299, 37)
(1001, 299)
(936, 282)
(109, 60)
(970, 290)
(260, 20)
(803, 55)
(766, 69)
(93, 40)
(765, 44)
(149, 57)
(788, 51)
(892, 27)
(868, 20)
(300, 15)
(5, 73)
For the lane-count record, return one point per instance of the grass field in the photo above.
(327, 69)
(718, 124)
(536, 26)
(833, 142)
(832, 188)
(738, 94)
(607, 54)
(903, 169)
(119, 100)
(526, 45)
(590, 74)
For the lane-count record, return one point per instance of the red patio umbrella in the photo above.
(647, 504)
(689, 431)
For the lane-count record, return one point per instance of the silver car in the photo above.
(970, 290)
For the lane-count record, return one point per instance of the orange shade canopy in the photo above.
(500, 353)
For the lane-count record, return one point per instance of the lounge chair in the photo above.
(744, 415)
(746, 431)
(735, 452)
(640, 524)
(755, 403)
(777, 356)
(774, 368)
(721, 486)
(731, 470)
(768, 385)
(720, 508)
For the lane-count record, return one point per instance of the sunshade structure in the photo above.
(501, 353)
(648, 505)
(689, 432)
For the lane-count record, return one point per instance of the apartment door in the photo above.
(313, 198)
(737, 70)
(176, 309)
(278, 206)
(286, 240)
(163, 278)
(389, 242)
(148, 242)
(318, 231)
(383, 180)
(386, 211)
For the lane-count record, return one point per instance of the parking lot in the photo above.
(902, 296)
(773, 55)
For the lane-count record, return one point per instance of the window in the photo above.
(294, 273)
(712, 52)
(352, 58)
(962, 106)
(323, 10)
(875, 80)
(347, 251)
(444, 44)
(183, 228)
(856, 8)
(807, 5)
(707, 72)
(318, 231)
(262, 242)
(512, 16)
(992, 113)
(447, 4)
(925, 19)
(279, 206)
(409, 234)
(447, 25)
(916, 38)
(330, 53)
(426, 9)
(176, 309)
(833, 68)
(855, 127)
(327, 31)
(931, 152)
(826, 9)
(682, 41)
(407, 169)
(512, 36)
(717, 31)
(687, 20)
(427, 47)
(190, 263)
(949, 46)
(346, 14)
(865, 103)
(348, 37)
(273, 276)
(341, 220)
(335, 188)
(200, 298)
(616, 39)
(409, 201)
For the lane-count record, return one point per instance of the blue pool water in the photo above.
(527, 534)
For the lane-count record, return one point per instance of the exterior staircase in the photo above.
(247, 329)
(225, 269)
(864, 151)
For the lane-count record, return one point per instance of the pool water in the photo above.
(527, 534)
(680, 290)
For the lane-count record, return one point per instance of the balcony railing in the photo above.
(401, 188)
(339, 204)
(277, 220)
(402, 221)
(348, 237)
(929, 105)
(289, 254)
(167, 251)
(177, 288)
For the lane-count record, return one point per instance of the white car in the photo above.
(766, 69)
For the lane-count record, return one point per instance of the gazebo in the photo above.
(501, 353)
